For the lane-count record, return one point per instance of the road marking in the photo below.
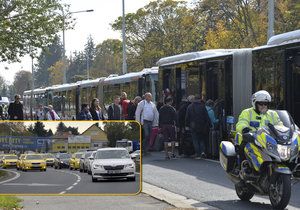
(75, 183)
(32, 184)
(11, 179)
(213, 161)
(69, 188)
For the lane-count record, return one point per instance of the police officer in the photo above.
(258, 113)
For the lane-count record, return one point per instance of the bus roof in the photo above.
(193, 56)
(130, 76)
(285, 38)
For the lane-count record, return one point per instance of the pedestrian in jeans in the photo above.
(147, 114)
(115, 110)
(198, 121)
(167, 121)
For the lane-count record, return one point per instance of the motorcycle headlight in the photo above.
(284, 152)
(129, 165)
(97, 166)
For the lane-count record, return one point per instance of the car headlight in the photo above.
(97, 166)
(284, 152)
(129, 165)
(61, 161)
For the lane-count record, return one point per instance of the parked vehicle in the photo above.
(112, 163)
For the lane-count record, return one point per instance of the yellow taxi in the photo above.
(33, 162)
(75, 160)
(20, 161)
(9, 161)
(49, 158)
(1, 156)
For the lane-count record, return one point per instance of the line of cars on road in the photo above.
(24, 162)
(104, 163)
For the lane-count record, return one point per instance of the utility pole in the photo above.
(32, 88)
(271, 18)
(124, 69)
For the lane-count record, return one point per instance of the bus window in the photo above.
(193, 82)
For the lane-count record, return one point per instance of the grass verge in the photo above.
(10, 202)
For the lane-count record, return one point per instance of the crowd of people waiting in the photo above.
(194, 118)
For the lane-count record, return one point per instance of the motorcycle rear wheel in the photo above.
(280, 191)
(243, 192)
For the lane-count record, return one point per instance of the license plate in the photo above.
(113, 171)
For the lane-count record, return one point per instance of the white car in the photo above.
(112, 163)
(90, 162)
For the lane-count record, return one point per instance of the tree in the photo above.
(56, 73)
(61, 127)
(108, 59)
(133, 131)
(77, 67)
(26, 26)
(48, 57)
(22, 81)
(39, 129)
(115, 131)
(162, 28)
(90, 52)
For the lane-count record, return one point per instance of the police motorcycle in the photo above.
(270, 163)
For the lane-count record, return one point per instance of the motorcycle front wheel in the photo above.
(280, 190)
(243, 192)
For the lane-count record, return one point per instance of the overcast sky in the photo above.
(96, 24)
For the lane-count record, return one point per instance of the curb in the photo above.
(174, 199)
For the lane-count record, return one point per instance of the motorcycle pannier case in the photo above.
(227, 155)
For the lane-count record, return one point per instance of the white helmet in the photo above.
(262, 96)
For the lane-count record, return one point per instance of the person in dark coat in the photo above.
(114, 110)
(95, 110)
(132, 107)
(167, 122)
(15, 109)
(197, 120)
(85, 113)
(181, 120)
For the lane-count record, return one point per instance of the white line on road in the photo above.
(75, 183)
(63, 192)
(11, 179)
(33, 184)
(69, 188)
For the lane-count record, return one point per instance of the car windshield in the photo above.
(49, 156)
(10, 157)
(112, 154)
(33, 157)
(78, 155)
(88, 154)
(64, 156)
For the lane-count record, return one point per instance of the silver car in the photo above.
(89, 165)
(84, 160)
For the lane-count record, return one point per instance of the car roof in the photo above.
(112, 148)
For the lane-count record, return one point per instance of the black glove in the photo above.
(246, 130)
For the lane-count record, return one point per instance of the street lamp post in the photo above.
(64, 40)
(270, 18)
(124, 69)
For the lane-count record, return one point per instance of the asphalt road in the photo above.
(204, 181)
(64, 181)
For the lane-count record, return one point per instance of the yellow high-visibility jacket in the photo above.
(250, 114)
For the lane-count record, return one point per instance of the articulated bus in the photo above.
(229, 77)
(67, 98)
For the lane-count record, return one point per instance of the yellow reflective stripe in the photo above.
(250, 114)
(273, 120)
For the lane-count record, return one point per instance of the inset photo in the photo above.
(70, 158)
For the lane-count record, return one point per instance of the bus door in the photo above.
(180, 88)
(293, 83)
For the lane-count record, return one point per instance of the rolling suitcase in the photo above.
(213, 144)
(187, 144)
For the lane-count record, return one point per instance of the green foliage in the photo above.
(22, 81)
(28, 25)
(120, 130)
(162, 28)
(9, 202)
(39, 129)
(108, 58)
(48, 57)
(63, 128)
